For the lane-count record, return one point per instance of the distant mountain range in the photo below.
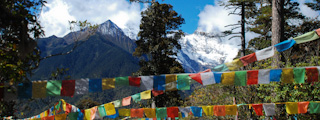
(108, 53)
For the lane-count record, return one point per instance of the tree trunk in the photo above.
(277, 28)
(243, 41)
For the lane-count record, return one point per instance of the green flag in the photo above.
(54, 87)
(310, 36)
(240, 78)
(161, 112)
(136, 97)
(183, 82)
(298, 74)
(314, 107)
(122, 81)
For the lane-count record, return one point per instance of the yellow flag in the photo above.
(231, 109)
(208, 110)
(108, 83)
(39, 89)
(124, 112)
(87, 114)
(110, 110)
(64, 105)
(60, 117)
(150, 112)
(171, 82)
(292, 107)
(228, 78)
(145, 94)
(287, 75)
(235, 64)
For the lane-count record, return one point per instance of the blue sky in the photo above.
(189, 9)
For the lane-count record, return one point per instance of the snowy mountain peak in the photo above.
(110, 28)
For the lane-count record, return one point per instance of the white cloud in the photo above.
(307, 11)
(55, 16)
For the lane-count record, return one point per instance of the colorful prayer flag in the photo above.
(122, 81)
(150, 112)
(145, 94)
(264, 76)
(231, 109)
(314, 107)
(207, 78)
(108, 83)
(228, 78)
(303, 107)
(248, 59)
(219, 110)
(185, 111)
(287, 75)
(235, 64)
(136, 97)
(54, 87)
(196, 77)
(292, 107)
(124, 112)
(275, 75)
(258, 109)
(172, 112)
(136, 113)
(208, 110)
(220, 68)
(217, 77)
(82, 86)
(265, 53)
(159, 82)
(183, 82)
(269, 109)
(110, 110)
(126, 101)
(252, 77)
(298, 75)
(284, 45)
(146, 82)
(134, 81)
(102, 111)
(197, 111)
(161, 112)
(95, 85)
(39, 89)
(240, 78)
(309, 36)
(312, 74)
(67, 87)
(60, 117)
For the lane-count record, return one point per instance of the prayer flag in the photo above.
(183, 82)
(136, 97)
(146, 82)
(67, 88)
(25, 90)
(136, 113)
(82, 86)
(208, 110)
(157, 92)
(217, 77)
(48, 118)
(235, 64)
(258, 109)
(287, 75)
(228, 78)
(114, 115)
(219, 110)
(150, 112)
(39, 89)
(248, 59)
(231, 109)
(60, 117)
(318, 32)
(102, 111)
(240, 78)
(314, 107)
(207, 78)
(196, 77)
(220, 68)
(264, 76)
(161, 112)
(269, 109)
(184, 111)
(73, 116)
(68, 108)
(108, 83)
(292, 107)
(197, 111)
(303, 107)
(275, 75)
(95, 85)
(312, 74)
(284, 45)
(87, 114)
(309, 36)
(171, 82)
(122, 81)
(145, 94)
(159, 82)
(252, 77)
(265, 53)
(54, 87)
(126, 101)
(124, 112)
(173, 112)
(298, 75)
(110, 110)
(134, 81)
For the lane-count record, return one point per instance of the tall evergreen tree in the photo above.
(158, 40)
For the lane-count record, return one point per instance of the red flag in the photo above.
(258, 109)
(312, 74)
(252, 77)
(196, 77)
(248, 59)
(173, 112)
(134, 81)
(157, 92)
(67, 87)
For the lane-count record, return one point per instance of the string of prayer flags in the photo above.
(126, 101)
(146, 82)
(124, 112)
(122, 81)
(252, 77)
(258, 109)
(284, 45)
(312, 74)
(265, 53)
(39, 89)
(95, 85)
(172, 112)
(171, 82)
(207, 78)
(183, 82)
(314, 107)
(248, 59)
(134, 81)
(81, 87)
(145, 94)
(67, 88)
(108, 83)
(196, 111)
(219, 110)
(228, 78)
(150, 112)
(309, 36)
(136, 113)
(161, 112)
(208, 110)
(298, 74)
(159, 82)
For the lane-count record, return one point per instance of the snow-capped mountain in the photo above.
(199, 52)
